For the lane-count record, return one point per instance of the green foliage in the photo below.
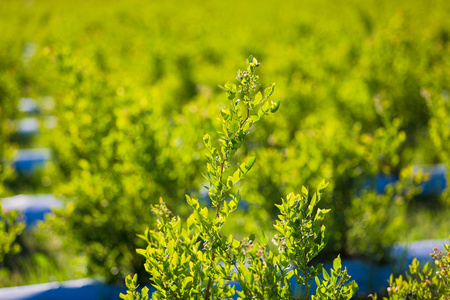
(36, 267)
(334, 285)
(439, 131)
(10, 228)
(132, 293)
(191, 259)
(10, 225)
(350, 113)
(382, 215)
(112, 163)
(423, 282)
(134, 86)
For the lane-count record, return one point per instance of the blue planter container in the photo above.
(85, 289)
(33, 207)
(404, 253)
(436, 184)
(28, 105)
(438, 179)
(27, 127)
(28, 160)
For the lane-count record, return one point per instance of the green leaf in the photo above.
(426, 268)
(225, 208)
(191, 221)
(192, 202)
(204, 213)
(279, 228)
(230, 87)
(197, 216)
(258, 98)
(304, 192)
(175, 259)
(144, 293)
(280, 207)
(320, 215)
(230, 182)
(230, 239)
(207, 141)
(225, 114)
(141, 251)
(269, 91)
(322, 186)
(325, 275)
(264, 109)
(236, 199)
(251, 237)
(123, 296)
(128, 281)
(314, 200)
(255, 118)
(264, 238)
(238, 175)
(274, 105)
(178, 226)
(317, 281)
(246, 274)
(337, 263)
(188, 200)
(188, 280)
(173, 287)
(250, 163)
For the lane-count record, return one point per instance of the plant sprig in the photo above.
(192, 260)
(236, 123)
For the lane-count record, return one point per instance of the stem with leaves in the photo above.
(181, 269)
(305, 268)
(236, 122)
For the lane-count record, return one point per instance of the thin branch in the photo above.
(305, 262)
(225, 159)
(208, 286)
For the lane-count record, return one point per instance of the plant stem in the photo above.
(209, 280)
(305, 270)
(243, 285)
(213, 256)
(225, 159)
(306, 276)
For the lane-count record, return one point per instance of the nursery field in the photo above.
(114, 99)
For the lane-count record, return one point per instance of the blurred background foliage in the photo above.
(364, 89)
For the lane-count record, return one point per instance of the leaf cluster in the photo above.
(192, 260)
(10, 224)
(10, 228)
(423, 282)
(131, 106)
